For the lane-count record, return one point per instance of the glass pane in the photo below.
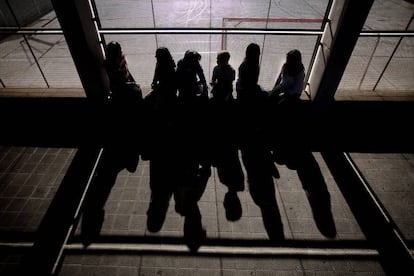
(18, 67)
(389, 15)
(141, 60)
(368, 70)
(125, 13)
(56, 61)
(211, 14)
(399, 75)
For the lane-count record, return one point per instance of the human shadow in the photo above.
(314, 185)
(178, 155)
(178, 170)
(159, 149)
(175, 172)
(177, 176)
(115, 158)
(292, 149)
(163, 185)
(225, 156)
(317, 192)
(230, 174)
(192, 183)
(121, 150)
(193, 172)
(261, 170)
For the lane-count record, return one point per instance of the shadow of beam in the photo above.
(351, 126)
(380, 231)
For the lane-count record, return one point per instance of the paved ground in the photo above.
(30, 177)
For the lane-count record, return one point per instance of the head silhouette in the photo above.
(252, 53)
(113, 51)
(223, 56)
(164, 57)
(191, 57)
(293, 63)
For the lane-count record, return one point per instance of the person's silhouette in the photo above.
(194, 154)
(225, 155)
(192, 106)
(160, 142)
(126, 106)
(291, 149)
(285, 101)
(121, 147)
(255, 151)
(222, 79)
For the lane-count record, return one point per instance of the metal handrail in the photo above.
(202, 31)
(235, 31)
(392, 54)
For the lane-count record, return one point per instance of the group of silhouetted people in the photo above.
(184, 133)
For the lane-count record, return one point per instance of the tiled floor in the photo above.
(31, 175)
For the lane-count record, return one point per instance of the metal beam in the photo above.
(339, 39)
(76, 20)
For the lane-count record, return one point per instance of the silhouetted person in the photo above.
(286, 106)
(120, 146)
(192, 101)
(161, 143)
(193, 159)
(192, 107)
(164, 85)
(222, 78)
(252, 100)
(255, 151)
(124, 89)
(160, 103)
(191, 78)
(224, 145)
(247, 86)
(251, 97)
(289, 83)
(126, 107)
(291, 148)
(288, 89)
